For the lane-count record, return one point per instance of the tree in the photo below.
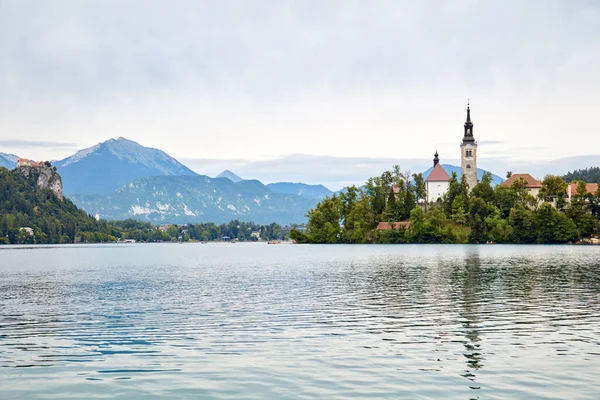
(553, 189)
(417, 225)
(521, 221)
(451, 194)
(324, 221)
(478, 213)
(506, 198)
(484, 189)
(554, 227)
(419, 185)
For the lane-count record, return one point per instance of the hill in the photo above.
(29, 198)
(496, 180)
(194, 199)
(589, 175)
(315, 192)
(109, 165)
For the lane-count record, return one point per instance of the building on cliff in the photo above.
(47, 177)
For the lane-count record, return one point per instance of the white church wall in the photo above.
(436, 190)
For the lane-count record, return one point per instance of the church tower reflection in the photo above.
(470, 306)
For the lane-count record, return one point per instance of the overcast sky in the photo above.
(326, 85)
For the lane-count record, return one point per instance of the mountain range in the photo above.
(186, 198)
(122, 179)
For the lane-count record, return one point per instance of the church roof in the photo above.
(438, 174)
(531, 181)
(589, 187)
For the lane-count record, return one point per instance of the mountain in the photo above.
(315, 192)
(109, 165)
(8, 160)
(496, 180)
(193, 199)
(230, 175)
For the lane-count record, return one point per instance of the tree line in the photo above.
(590, 175)
(498, 214)
(31, 215)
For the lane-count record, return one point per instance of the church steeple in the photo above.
(468, 137)
(436, 159)
(468, 149)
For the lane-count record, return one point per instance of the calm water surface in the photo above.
(253, 321)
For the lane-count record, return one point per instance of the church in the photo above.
(436, 183)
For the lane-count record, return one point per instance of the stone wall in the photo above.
(469, 173)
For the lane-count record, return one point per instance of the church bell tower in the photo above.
(468, 149)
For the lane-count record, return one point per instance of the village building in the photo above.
(386, 226)
(23, 162)
(436, 184)
(590, 188)
(532, 185)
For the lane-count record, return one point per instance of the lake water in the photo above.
(257, 321)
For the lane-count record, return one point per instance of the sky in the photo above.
(315, 91)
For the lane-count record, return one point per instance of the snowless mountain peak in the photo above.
(107, 165)
(230, 175)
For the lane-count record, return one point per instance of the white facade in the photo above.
(436, 190)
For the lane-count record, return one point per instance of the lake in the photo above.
(258, 321)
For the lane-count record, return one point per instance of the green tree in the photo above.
(522, 224)
(477, 215)
(484, 189)
(554, 227)
(553, 189)
(324, 221)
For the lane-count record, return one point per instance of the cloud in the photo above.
(332, 172)
(229, 79)
(338, 172)
(26, 144)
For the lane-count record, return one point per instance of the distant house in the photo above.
(255, 234)
(27, 229)
(436, 184)
(590, 188)
(532, 185)
(386, 226)
(23, 162)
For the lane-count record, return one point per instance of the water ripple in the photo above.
(256, 321)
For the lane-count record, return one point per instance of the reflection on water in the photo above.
(258, 321)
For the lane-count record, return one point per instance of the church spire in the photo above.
(468, 138)
(436, 159)
(468, 113)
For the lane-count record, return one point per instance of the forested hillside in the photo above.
(23, 204)
(589, 175)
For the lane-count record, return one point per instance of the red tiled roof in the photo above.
(531, 181)
(589, 187)
(438, 174)
(385, 226)
(23, 160)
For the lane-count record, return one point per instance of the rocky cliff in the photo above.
(47, 178)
